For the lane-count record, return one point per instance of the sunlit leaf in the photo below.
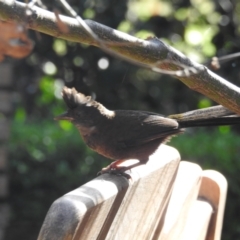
(46, 86)
(145, 9)
(181, 14)
(224, 129)
(60, 47)
(20, 114)
(65, 125)
(89, 13)
(204, 102)
(144, 34)
(125, 26)
(49, 68)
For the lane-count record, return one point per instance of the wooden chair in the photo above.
(164, 199)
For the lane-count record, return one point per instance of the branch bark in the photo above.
(150, 53)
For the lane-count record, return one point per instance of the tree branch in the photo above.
(151, 53)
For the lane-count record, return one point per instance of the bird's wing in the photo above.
(147, 127)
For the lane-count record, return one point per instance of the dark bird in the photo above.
(127, 134)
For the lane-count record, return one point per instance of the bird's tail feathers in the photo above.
(221, 121)
(211, 116)
(203, 113)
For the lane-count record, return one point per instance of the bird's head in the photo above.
(78, 106)
(82, 110)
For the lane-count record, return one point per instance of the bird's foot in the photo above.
(114, 166)
(116, 170)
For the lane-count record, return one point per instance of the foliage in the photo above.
(218, 150)
(48, 159)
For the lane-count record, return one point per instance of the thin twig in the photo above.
(150, 53)
(186, 71)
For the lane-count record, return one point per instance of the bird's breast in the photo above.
(88, 135)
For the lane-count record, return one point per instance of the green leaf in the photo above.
(204, 103)
(47, 90)
(60, 47)
(20, 114)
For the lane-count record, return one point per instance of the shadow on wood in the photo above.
(158, 202)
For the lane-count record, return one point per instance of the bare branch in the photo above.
(151, 53)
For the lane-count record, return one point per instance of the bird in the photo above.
(121, 135)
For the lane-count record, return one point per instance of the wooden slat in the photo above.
(184, 196)
(214, 190)
(147, 198)
(198, 220)
(206, 216)
(111, 207)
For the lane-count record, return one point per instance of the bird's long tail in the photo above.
(212, 116)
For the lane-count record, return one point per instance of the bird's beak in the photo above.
(64, 116)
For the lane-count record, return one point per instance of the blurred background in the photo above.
(47, 159)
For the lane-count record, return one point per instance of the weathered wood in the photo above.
(206, 215)
(184, 195)
(214, 190)
(111, 207)
(197, 224)
(146, 200)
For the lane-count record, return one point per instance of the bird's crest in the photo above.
(73, 99)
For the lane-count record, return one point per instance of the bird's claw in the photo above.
(115, 171)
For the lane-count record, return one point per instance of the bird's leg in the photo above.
(114, 166)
